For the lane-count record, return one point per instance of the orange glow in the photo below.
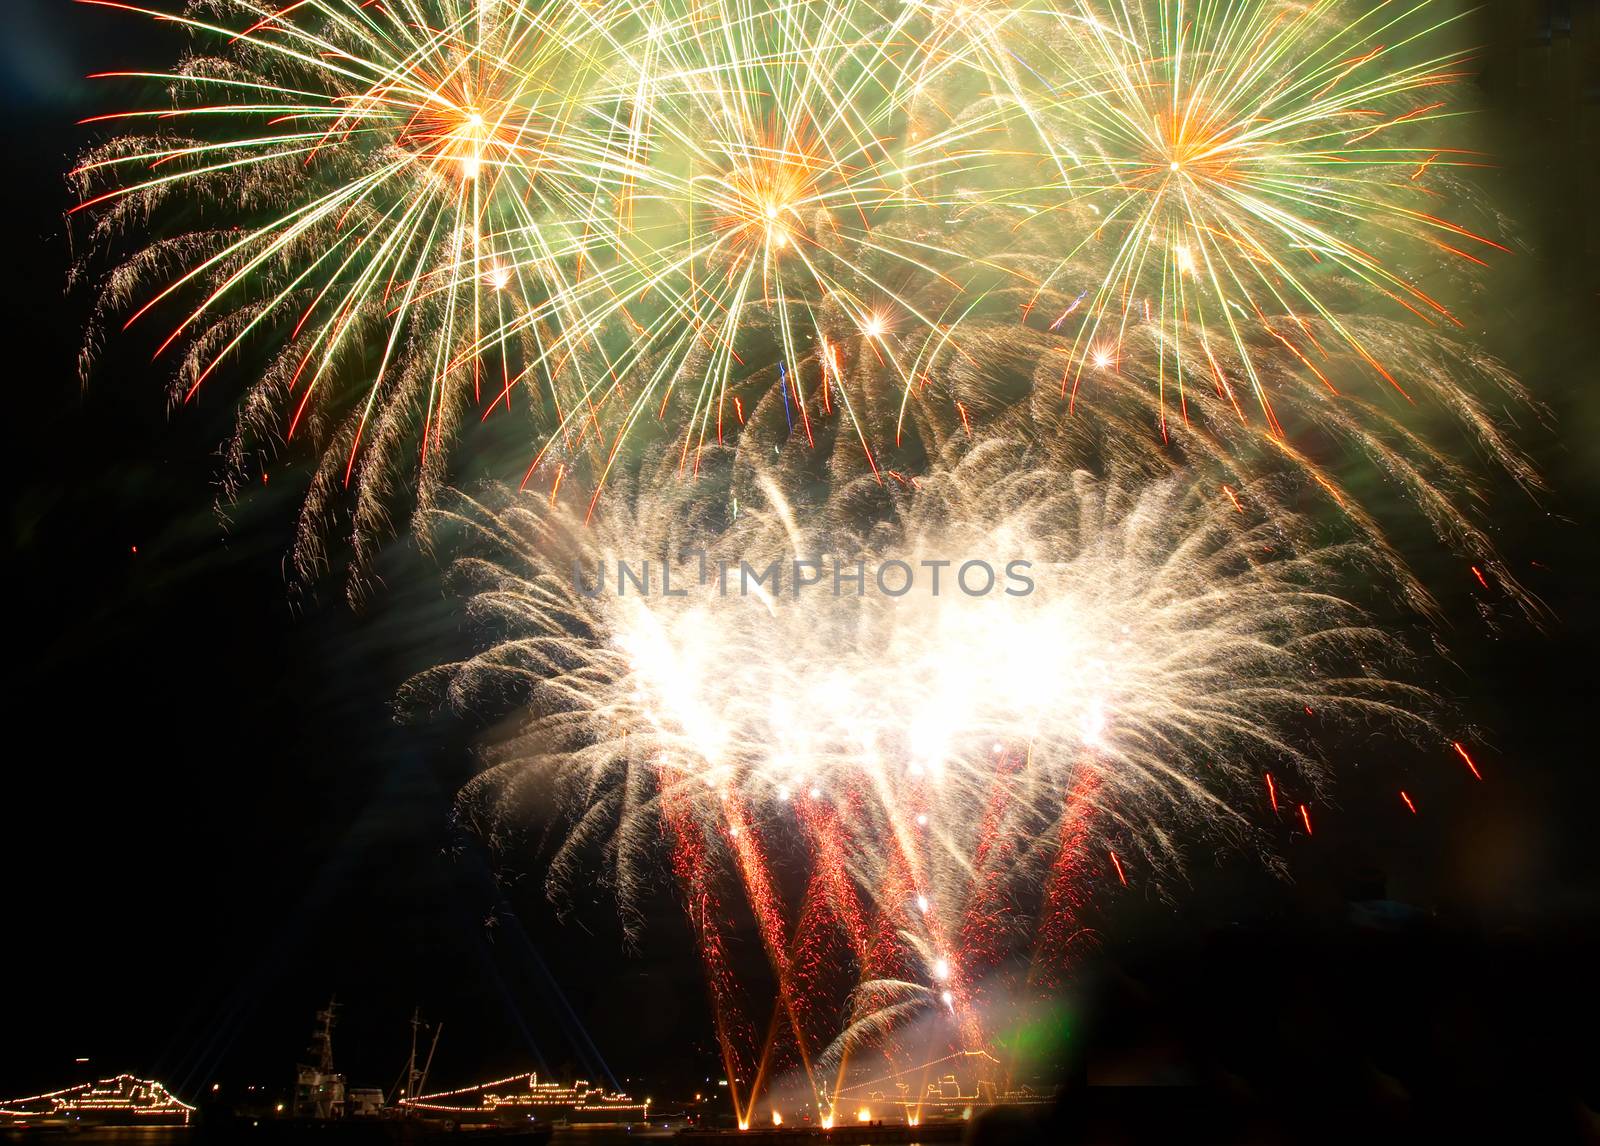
(759, 199)
(477, 118)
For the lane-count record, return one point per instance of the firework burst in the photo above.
(939, 768)
(1267, 166)
(791, 281)
(369, 194)
(611, 224)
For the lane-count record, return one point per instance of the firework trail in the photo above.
(956, 757)
(603, 226)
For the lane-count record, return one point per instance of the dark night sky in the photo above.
(212, 819)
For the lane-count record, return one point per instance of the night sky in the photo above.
(213, 818)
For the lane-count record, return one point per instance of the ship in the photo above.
(931, 1103)
(952, 1088)
(525, 1096)
(324, 1108)
(123, 1100)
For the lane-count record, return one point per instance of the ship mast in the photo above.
(322, 1040)
(319, 1090)
(428, 1066)
(416, 1079)
(411, 1090)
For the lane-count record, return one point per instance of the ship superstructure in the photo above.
(120, 1101)
(525, 1096)
(319, 1090)
(327, 1111)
